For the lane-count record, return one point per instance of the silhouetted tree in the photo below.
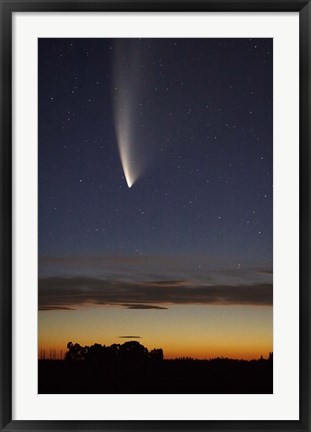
(156, 354)
(133, 351)
(97, 353)
(75, 352)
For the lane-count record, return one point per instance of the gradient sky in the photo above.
(182, 258)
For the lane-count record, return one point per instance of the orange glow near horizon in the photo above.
(200, 332)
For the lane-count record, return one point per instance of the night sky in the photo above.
(192, 236)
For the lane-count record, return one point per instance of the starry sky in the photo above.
(190, 122)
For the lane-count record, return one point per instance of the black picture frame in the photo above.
(8, 7)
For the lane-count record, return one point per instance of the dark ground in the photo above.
(222, 376)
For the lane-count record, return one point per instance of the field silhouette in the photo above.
(130, 368)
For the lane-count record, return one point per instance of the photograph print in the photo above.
(155, 216)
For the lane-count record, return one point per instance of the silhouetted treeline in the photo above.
(131, 351)
(131, 368)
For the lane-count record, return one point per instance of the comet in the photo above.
(125, 139)
(129, 95)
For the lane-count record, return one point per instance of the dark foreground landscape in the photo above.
(134, 371)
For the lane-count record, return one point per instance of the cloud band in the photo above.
(71, 293)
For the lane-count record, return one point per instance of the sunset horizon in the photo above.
(229, 311)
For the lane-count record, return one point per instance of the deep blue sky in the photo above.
(206, 113)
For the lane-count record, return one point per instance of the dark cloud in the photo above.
(169, 282)
(143, 306)
(129, 337)
(55, 307)
(61, 292)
